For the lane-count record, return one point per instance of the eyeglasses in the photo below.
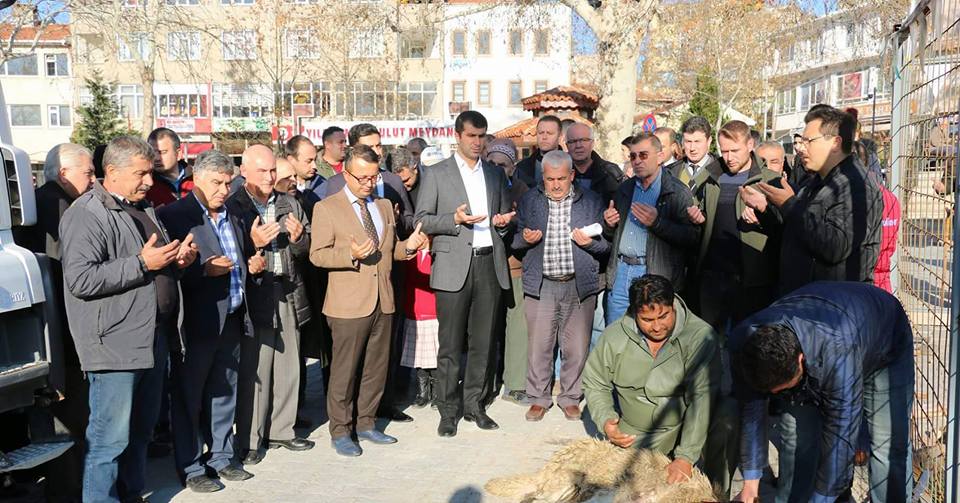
(578, 141)
(803, 141)
(642, 155)
(364, 180)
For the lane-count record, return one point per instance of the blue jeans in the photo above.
(887, 403)
(618, 298)
(124, 406)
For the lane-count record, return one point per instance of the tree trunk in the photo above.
(618, 98)
(146, 79)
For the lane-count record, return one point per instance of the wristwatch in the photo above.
(143, 265)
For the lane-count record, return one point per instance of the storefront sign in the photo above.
(391, 132)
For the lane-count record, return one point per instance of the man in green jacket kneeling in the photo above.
(661, 363)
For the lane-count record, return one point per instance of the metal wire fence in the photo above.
(925, 60)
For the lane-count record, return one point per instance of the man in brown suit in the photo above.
(354, 238)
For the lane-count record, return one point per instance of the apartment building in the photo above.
(38, 87)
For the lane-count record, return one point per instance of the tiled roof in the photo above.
(50, 33)
(562, 97)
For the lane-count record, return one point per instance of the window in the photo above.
(25, 115)
(853, 87)
(413, 47)
(459, 91)
(183, 2)
(516, 42)
(59, 115)
(787, 101)
(483, 43)
(133, 46)
(367, 44)
(242, 100)
(539, 86)
(237, 2)
(854, 36)
(134, 3)
(181, 105)
(459, 43)
(788, 53)
(183, 46)
(25, 65)
(483, 92)
(56, 65)
(541, 44)
(239, 45)
(415, 98)
(302, 44)
(130, 99)
(516, 92)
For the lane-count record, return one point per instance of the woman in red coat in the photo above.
(420, 329)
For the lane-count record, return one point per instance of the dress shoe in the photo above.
(447, 428)
(376, 437)
(234, 473)
(345, 446)
(572, 412)
(297, 444)
(253, 457)
(394, 415)
(482, 419)
(535, 413)
(204, 484)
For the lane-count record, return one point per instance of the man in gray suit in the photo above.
(464, 203)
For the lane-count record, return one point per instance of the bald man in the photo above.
(275, 225)
(773, 155)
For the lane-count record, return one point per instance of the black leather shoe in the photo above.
(253, 457)
(447, 428)
(204, 484)
(234, 473)
(482, 419)
(297, 444)
(394, 415)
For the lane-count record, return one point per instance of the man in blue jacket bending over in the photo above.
(846, 349)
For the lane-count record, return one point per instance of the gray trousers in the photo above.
(515, 347)
(269, 379)
(558, 316)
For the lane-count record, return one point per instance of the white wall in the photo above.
(500, 67)
(41, 90)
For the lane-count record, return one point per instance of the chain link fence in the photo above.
(924, 57)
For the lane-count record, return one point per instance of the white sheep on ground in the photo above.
(593, 470)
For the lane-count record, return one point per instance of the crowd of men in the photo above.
(688, 298)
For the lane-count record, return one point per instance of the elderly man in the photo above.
(650, 380)
(561, 280)
(548, 139)
(172, 178)
(330, 162)
(68, 171)
(592, 171)
(120, 273)
(354, 239)
(416, 146)
(647, 223)
(773, 156)
(406, 166)
(274, 225)
(215, 320)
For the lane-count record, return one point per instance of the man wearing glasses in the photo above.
(592, 171)
(832, 224)
(648, 225)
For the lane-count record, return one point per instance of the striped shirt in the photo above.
(230, 247)
(268, 214)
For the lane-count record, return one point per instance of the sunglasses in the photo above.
(642, 155)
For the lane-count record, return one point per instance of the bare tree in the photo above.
(22, 26)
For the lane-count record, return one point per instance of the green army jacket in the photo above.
(660, 399)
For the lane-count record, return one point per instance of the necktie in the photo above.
(368, 226)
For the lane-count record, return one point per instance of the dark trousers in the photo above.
(204, 399)
(360, 346)
(467, 320)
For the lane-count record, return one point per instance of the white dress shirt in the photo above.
(371, 207)
(694, 168)
(476, 186)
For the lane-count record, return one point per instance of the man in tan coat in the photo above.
(354, 238)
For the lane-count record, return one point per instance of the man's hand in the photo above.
(611, 216)
(461, 217)
(753, 199)
(695, 215)
(645, 213)
(417, 239)
(217, 266)
(187, 252)
(263, 234)
(531, 236)
(615, 436)
(396, 210)
(294, 227)
(503, 220)
(360, 251)
(775, 195)
(158, 257)
(749, 216)
(750, 492)
(581, 238)
(257, 263)
(680, 470)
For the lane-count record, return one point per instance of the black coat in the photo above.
(605, 178)
(831, 229)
